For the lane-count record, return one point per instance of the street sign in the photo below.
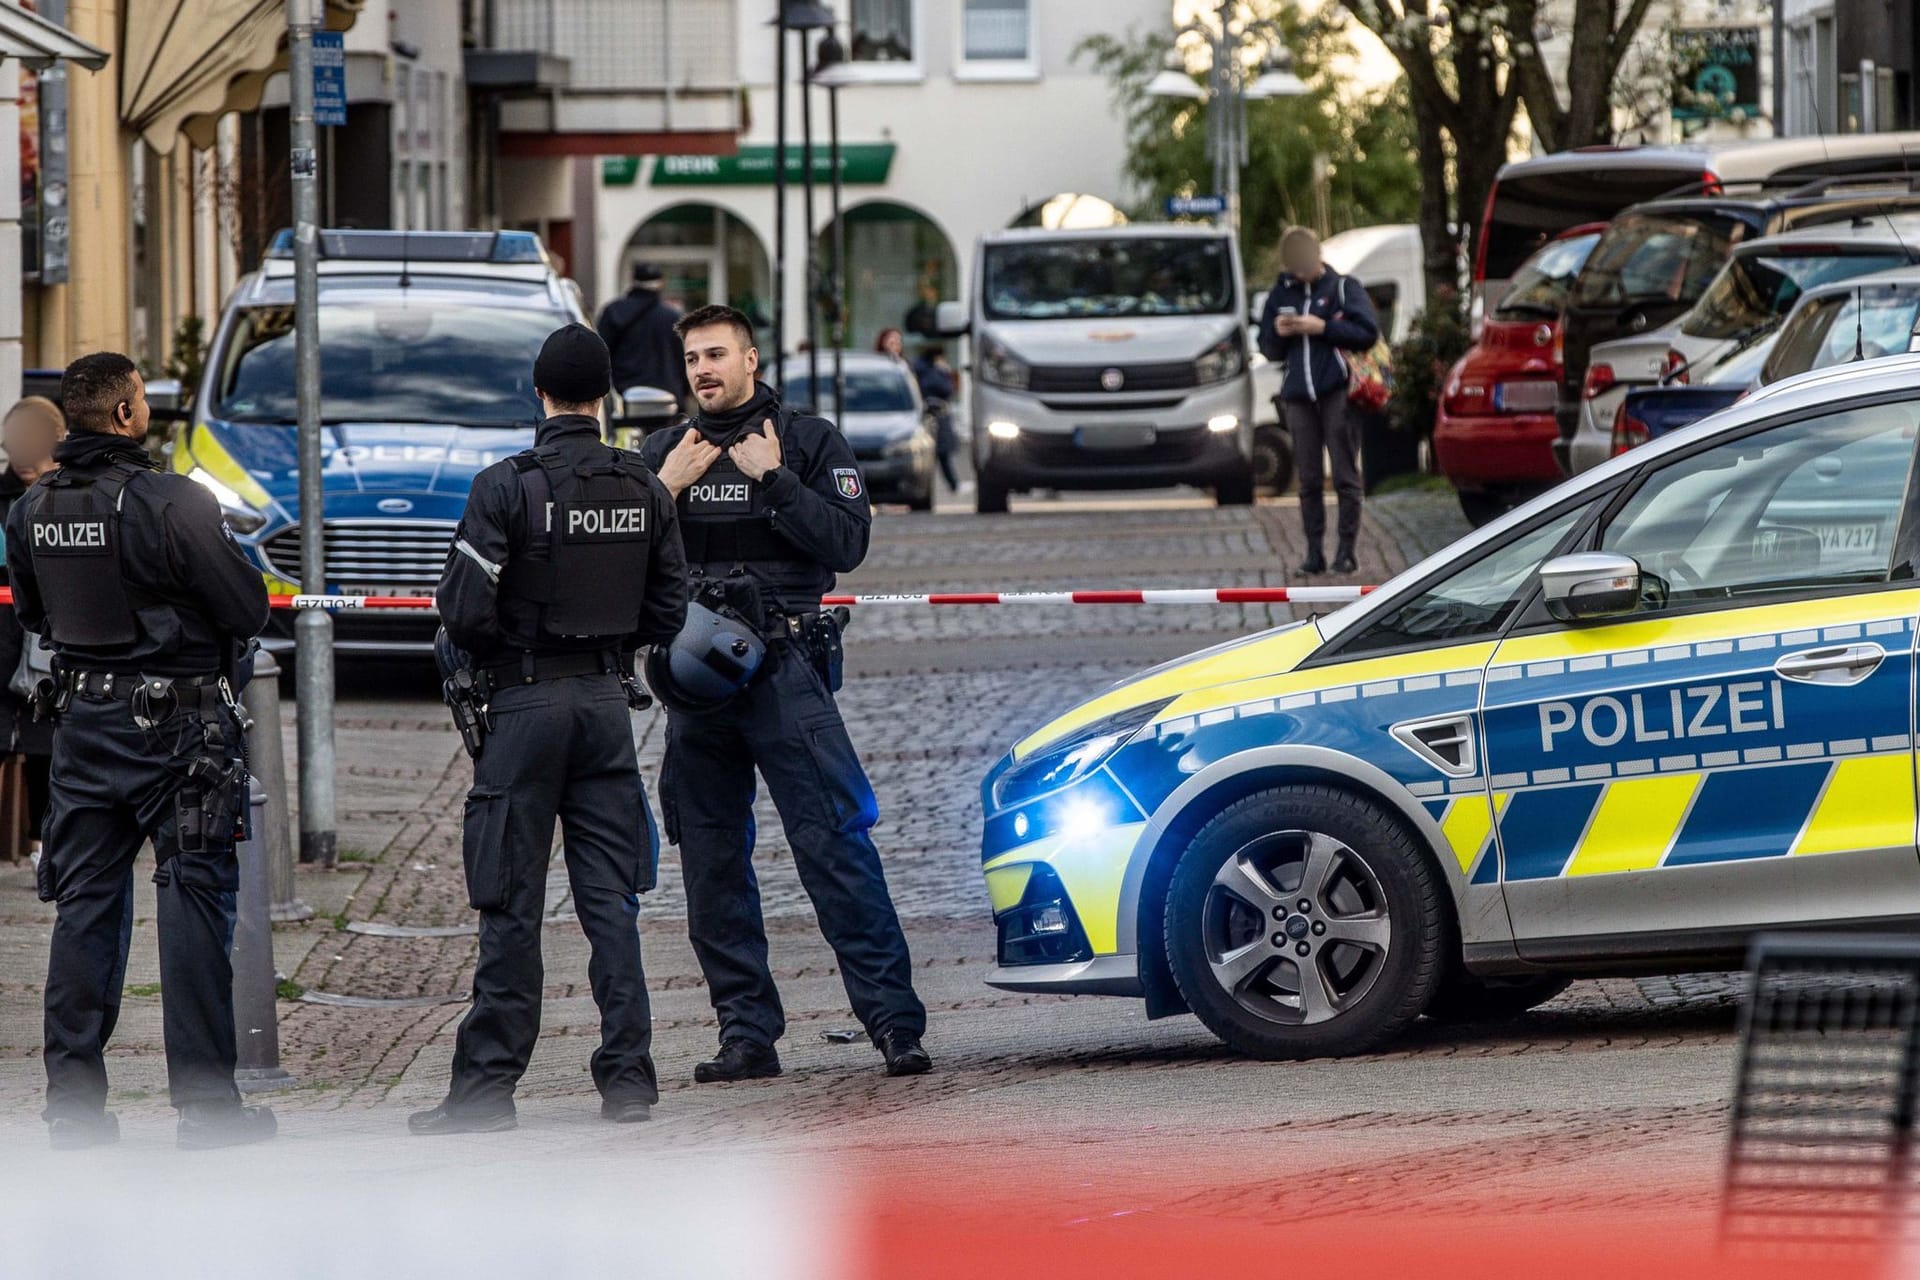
(861, 164)
(329, 78)
(1208, 206)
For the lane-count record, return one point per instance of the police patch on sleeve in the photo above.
(847, 481)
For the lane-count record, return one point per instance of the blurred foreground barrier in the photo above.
(256, 1025)
(1820, 1153)
(267, 761)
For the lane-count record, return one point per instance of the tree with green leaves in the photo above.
(1363, 145)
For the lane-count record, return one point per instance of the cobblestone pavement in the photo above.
(1560, 1111)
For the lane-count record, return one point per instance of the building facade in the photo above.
(1847, 66)
(956, 118)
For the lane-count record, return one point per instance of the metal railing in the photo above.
(625, 46)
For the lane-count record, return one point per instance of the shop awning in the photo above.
(39, 44)
(186, 63)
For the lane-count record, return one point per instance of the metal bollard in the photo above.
(268, 757)
(256, 1020)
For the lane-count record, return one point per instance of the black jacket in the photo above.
(826, 529)
(174, 545)
(18, 729)
(1314, 363)
(638, 330)
(493, 529)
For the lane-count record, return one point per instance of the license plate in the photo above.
(1527, 396)
(1112, 435)
(1848, 537)
(361, 589)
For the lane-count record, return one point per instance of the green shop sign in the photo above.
(861, 164)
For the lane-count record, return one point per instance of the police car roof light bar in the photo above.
(420, 246)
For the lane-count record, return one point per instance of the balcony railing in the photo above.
(625, 46)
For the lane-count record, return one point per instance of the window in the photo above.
(1539, 287)
(1475, 602)
(1754, 290)
(1656, 258)
(1109, 276)
(996, 31)
(1804, 505)
(883, 31)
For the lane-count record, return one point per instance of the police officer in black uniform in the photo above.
(771, 508)
(132, 575)
(567, 558)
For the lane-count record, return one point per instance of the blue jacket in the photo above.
(1315, 366)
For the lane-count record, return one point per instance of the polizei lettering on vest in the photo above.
(70, 535)
(718, 491)
(606, 520)
(1694, 711)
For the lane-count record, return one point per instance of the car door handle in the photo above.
(1836, 664)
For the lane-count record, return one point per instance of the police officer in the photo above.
(772, 506)
(568, 556)
(148, 604)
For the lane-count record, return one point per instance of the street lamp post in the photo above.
(1228, 90)
(801, 16)
(312, 628)
(827, 56)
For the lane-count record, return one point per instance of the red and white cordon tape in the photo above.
(1200, 595)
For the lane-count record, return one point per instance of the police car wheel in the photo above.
(1305, 922)
(1465, 998)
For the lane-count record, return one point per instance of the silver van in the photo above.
(1108, 359)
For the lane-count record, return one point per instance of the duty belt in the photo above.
(110, 686)
(531, 668)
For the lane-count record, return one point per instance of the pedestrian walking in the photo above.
(566, 559)
(1314, 315)
(30, 431)
(136, 581)
(772, 506)
(939, 387)
(638, 330)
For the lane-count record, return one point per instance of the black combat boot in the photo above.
(1315, 563)
(903, 1053)
(207, 1125)
(738, 1060)
(76, 1133)
(443, 1119)
(1343, 561)
(629, 1112)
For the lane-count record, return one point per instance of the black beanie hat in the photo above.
(573, 366)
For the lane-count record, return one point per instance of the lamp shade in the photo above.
(1173, 81)
(1277, 80)
(799, 15)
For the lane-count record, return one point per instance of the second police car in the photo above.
(426, 378)
(1620, 730)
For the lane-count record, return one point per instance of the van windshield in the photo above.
(410, 359)
(1070, 279)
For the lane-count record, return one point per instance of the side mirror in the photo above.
(950, 318)
(1256, 307)
(169, 401)
(1589, 585)
(646, 409)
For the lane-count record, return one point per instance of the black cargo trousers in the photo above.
(559, 749)
(786, 724)
(115, 787)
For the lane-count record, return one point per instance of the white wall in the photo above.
(970, 155)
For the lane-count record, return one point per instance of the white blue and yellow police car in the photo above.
(1621, 730)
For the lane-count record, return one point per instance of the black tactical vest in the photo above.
(724, 519)
(589, 525)
(74, 536)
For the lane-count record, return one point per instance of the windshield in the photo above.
(1839, 328)
(1756, 289)
(868, 390)
(1656, 257)
(399, 360)
(1539, 288)
(1529, 209)
(1066, 279)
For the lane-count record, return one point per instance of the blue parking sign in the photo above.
(329, 78)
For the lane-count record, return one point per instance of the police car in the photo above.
(1618, 731)
(428, 341)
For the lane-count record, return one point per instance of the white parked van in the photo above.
(1108, 359)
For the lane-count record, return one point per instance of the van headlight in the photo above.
(241, 516)
(1223, 360)
(1001, 368)
(1063, 763)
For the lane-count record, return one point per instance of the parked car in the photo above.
(1113, 358)
(1493, 436)
(1753, 286)
(1536, 199)
(1388, 262)
(891, 431)
(1647, 412)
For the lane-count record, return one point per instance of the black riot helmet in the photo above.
(711, 662)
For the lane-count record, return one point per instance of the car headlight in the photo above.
(241, 517)
(1001, 368)
(1224, 359)
(1063, 763)
(901, 448)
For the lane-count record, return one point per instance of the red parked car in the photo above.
(1494, 434)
